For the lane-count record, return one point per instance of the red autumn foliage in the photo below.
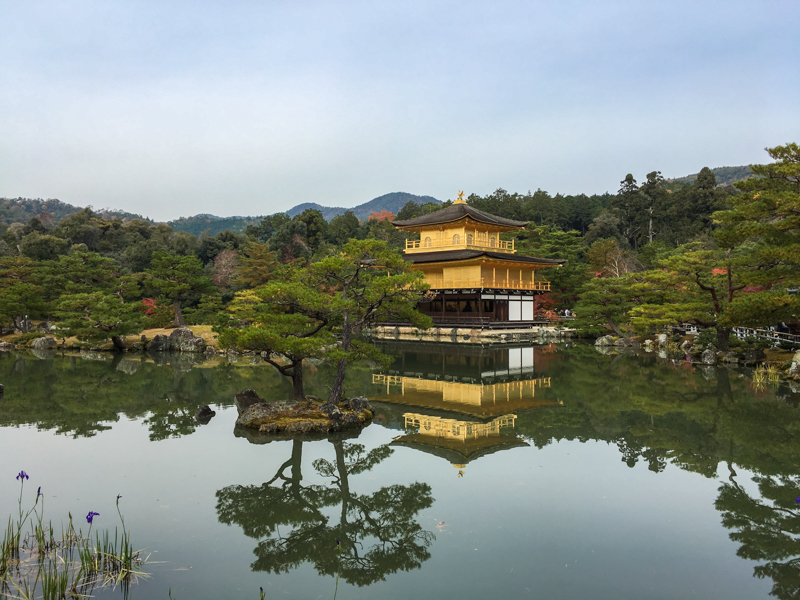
(149, 305)
(383, 215)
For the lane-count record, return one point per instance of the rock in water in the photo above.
(184, 340)
(160, 343)
(662, 339)
(357, 404)
(43, 343)
(246, 399)
(606, 340)
(307, 416)
(5, 346)
(204, 414)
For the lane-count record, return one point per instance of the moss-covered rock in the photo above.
(307, 416)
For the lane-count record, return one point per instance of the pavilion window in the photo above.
(470, 239)
(427, 242)
(456, 240)
(493, 241)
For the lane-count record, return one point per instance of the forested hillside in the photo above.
(723, 175)
(642, 258)
(22, 210)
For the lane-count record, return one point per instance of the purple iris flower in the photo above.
(22, 475)
(797, 501)
(39, 492)
(90, 517)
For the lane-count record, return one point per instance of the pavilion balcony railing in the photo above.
(441, 283)
(480, 244)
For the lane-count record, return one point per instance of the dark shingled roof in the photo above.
(455, 212)
(449, 255)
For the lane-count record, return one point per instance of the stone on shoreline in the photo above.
(160, 343)
(44, 343)
(709, 357)
(605, 340)
(183, 339)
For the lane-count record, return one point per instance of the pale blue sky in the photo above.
(177, 108)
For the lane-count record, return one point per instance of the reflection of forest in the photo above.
(361, 538)
(81, 395)
(653, 410)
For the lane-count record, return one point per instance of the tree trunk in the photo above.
(723, 335)
(614, 327)
(297, 380)
(119, 343)
(178, 314)
(338, 384)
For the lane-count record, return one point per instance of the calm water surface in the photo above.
(550, 472)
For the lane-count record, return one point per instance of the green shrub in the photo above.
(27, 338)
(706, 337)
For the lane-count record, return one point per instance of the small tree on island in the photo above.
(177, 278)
(285, 321)
(370, 284)
(318, 311)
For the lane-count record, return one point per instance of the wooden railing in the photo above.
(425, 246)
(439, 283)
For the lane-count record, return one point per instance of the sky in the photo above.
(170, 108)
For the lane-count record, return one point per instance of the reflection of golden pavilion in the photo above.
(458, 441)
(457, 430)
(474, 399)
(461, 403)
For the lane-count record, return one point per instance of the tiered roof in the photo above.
(456, 212)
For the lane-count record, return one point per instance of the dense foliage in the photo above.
(714, 256)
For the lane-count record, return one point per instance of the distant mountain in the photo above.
(392, 202)
(213, 224)
(327, 211)
(724, 175)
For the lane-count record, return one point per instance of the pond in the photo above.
(549, 471)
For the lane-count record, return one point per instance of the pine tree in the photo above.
(177, 278)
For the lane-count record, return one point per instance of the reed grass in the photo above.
(35, 563)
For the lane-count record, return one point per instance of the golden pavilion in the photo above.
(477, 279)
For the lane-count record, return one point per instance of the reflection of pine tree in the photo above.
(377, 532)
(768, 528)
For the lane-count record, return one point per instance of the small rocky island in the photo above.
(301, 417)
